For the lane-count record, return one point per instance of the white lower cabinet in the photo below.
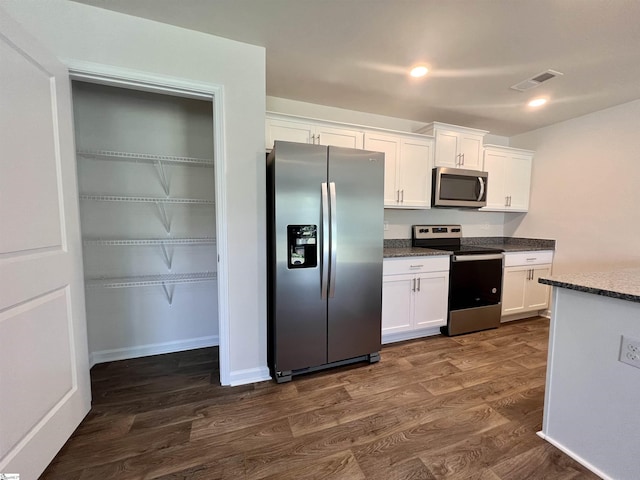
(521, 292)
(414, 296)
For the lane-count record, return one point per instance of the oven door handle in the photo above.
(474, 258)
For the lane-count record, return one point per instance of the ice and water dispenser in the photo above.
(302, 246)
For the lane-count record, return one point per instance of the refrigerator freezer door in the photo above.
(299, 311)
(356, 178)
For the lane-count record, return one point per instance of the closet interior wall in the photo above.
(146, 182)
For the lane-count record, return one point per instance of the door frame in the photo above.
(137, 80)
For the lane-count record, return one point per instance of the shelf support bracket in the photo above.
(167, 254)
(168, 291)
(164, 181)
(164, 218)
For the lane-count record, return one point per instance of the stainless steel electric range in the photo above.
(475, 278)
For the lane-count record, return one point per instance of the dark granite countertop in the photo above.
(623, 284)
(394, 252)
(402, 247)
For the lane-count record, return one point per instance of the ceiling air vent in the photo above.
(536, 80)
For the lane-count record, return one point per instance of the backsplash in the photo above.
(474, 223)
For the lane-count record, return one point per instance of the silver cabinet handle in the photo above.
(462, 159)
(418, 283)
(402, 198)
(313, 138)
(324, 266)
(413, 285)
(318, 138)
(509, 200)
(506, 201)
(333, 241)
(416, 266)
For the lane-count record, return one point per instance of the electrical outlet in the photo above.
(386, 225)
(630, 351)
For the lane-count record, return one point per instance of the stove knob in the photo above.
(494, 290)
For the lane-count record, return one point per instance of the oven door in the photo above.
(475, 281)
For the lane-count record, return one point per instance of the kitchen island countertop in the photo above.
(623, 284)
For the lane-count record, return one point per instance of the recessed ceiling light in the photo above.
(419, 71)
(537, 102)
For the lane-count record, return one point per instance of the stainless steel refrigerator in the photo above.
(325, 240)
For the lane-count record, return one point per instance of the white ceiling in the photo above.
(355, 54)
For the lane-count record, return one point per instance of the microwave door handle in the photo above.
(481, 180)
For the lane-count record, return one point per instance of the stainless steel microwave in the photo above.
(456, 187)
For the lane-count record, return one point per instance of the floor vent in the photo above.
(536, 80)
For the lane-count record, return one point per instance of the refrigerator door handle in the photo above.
(324, 266)
(332, 253)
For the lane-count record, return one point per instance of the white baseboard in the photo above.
(250, 375)
(521, 316)
(575, 456)
(413, 334)
(151, 349)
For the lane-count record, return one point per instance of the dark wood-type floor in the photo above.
(466, 407)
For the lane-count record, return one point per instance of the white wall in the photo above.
(88, 34)
(586, 189)
(591, 398)
(475, 223)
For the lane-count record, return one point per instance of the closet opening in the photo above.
(147, 190)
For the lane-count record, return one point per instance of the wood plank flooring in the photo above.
(466, 407)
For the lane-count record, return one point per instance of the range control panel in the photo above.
(420, 232)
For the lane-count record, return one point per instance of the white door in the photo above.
(415, 173)
(495, 163)
(519, 175)
(44, 371)
(339, 137)
(430, 300)
(537, 293)
(396, 303)
(471, 148)
(514, 287)
(287, 131)
(446, 149)
(390, 146)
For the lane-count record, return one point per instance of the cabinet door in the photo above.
(537, 297)
(514, 284)
(397, 293)
(471, 150)
(390, 146)
(287, 131)
(430, 300)
(339, 137)
(518, 181)
(446, 149)
(416, 159)
(495, 164)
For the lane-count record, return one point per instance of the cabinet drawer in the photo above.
(528, 258)
(395, 266)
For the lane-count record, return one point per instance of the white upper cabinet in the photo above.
(301, 130)
(407, 167)
(509, 178)
(456, 147)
